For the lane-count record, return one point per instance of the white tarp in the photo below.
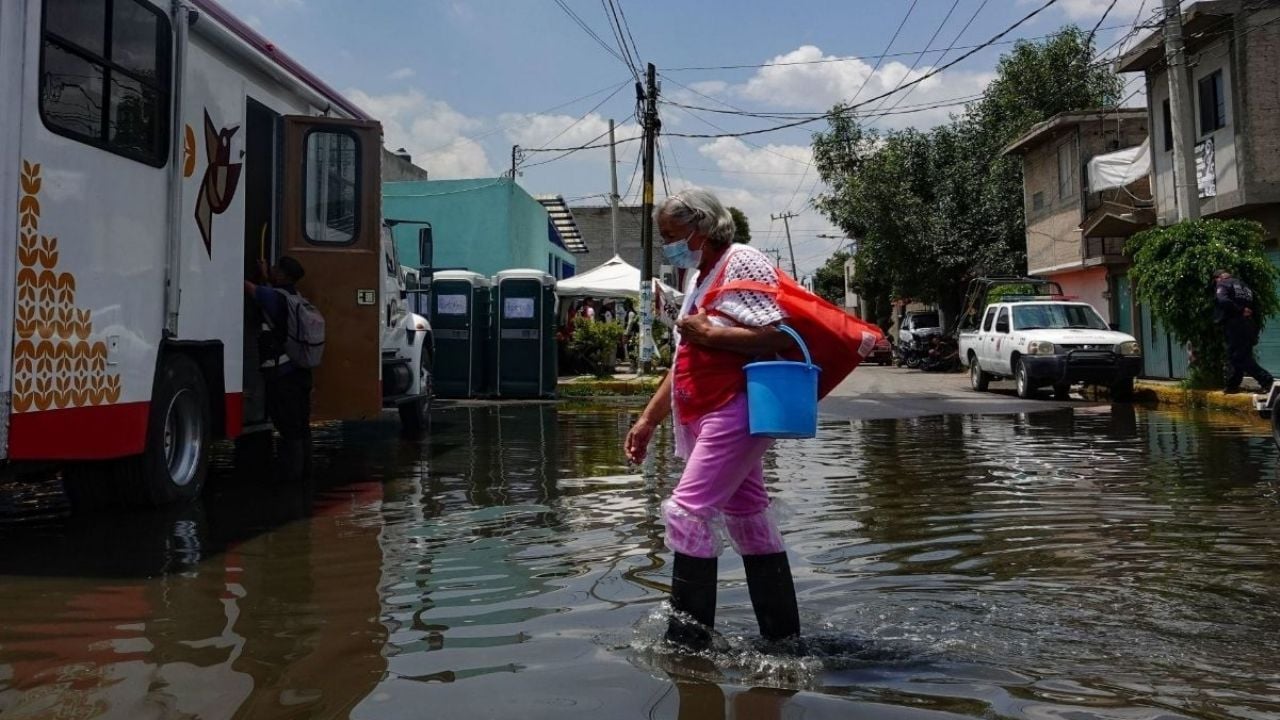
(614, 279)
(1120, 168)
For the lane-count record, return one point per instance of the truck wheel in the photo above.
(173, 465)
(1021, 381)
(978, 379)
(1062, 391)
(416, 416)
(1122, 391)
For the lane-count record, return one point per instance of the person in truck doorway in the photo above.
(287, 348)
(1235, 309)
(722, 487)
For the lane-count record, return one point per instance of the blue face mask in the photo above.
(679, 255)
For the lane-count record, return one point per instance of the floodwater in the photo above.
(1096, 563)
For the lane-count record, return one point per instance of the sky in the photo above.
(459, 82)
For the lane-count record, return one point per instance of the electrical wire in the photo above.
(861, 58)
(566, 152)
(587, 114)
(850, 108)
(1094, 31)
(587, 29)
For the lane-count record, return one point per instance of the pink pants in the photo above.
(722, 488)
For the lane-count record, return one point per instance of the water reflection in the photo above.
(1097, 563)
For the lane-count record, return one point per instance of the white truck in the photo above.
(1048, 342)
(153, 152)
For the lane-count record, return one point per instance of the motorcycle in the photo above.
(913, 348)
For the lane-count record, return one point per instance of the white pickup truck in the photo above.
(1057, 343)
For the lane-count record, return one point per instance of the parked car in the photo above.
(1049, 342)
(882, 354)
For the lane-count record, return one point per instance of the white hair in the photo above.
(701, 210)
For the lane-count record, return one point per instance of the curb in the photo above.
(589, 387)
(1176, 396)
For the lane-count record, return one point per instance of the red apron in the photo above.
(706, 379)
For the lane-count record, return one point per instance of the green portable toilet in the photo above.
(460, 323)
(524, 334)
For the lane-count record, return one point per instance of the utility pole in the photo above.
(785, 218)
(1186, 190)
(651, 125)
(613, 184)
(515, 159)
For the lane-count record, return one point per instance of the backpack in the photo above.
(1241, 293)
(838, 341)
(304, 331)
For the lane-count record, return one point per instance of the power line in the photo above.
(587, 114)
(566, 152)
(913, 83)
(862, 58)
(611, 17)
(946, 51)
(587, 29)
(1088, 42)
(783, 115)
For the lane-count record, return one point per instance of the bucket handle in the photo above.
(808, 360)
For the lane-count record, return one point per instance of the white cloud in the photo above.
(710, 87)
(403, 73)
(817, 86)
(770, 167)
(531, 130)
(431, 130)
(1091, 10)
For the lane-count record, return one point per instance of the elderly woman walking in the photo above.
(723, 480)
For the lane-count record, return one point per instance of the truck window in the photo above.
(107, 89)
(1002, 320)
(1056, 317)
(989, 320)
(331, 190)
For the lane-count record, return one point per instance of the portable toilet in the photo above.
(524, 334)
(460, 322)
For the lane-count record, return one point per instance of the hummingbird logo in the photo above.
(220, 179)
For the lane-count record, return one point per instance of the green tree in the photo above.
(828, 280)
(741, 227)
(934, 209)
(1172, 271)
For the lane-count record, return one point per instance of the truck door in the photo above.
(982, 340)
(330, 222)
(998, 340)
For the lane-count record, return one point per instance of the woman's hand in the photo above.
(696, 329)
(637, 443)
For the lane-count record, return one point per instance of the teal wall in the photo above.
(484, 225)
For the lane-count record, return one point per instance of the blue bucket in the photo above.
(782, 395)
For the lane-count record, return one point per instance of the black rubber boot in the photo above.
(693, 593)
(773, 595)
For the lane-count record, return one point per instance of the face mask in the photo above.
(679, 255)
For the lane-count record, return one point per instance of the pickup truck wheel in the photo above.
(1062, 391)
(1122, 391)
(979, 380)
(1021, 381)
(415, 416)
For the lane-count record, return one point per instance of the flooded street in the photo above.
(1074, 563)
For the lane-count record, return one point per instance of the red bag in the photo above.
(838, 341)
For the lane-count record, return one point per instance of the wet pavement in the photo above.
(1074, 563)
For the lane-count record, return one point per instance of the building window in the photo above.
(1066, 184)
(331, 191)
(1166, 119)
(104, 76)
(1037, 201)
(1213, 103)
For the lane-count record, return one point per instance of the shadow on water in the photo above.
(1096, 562)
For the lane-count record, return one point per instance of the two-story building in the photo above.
(1233, 56)
(1075, 233)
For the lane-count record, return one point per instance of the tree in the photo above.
(742, 228)
(934, 209)
(828, 280)
(1173, 268)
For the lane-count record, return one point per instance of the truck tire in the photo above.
(979, 379)
(415, 416)
(1122, 391)
(1021, 381)
(175, 461)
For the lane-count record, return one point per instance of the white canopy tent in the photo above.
(616, 278)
